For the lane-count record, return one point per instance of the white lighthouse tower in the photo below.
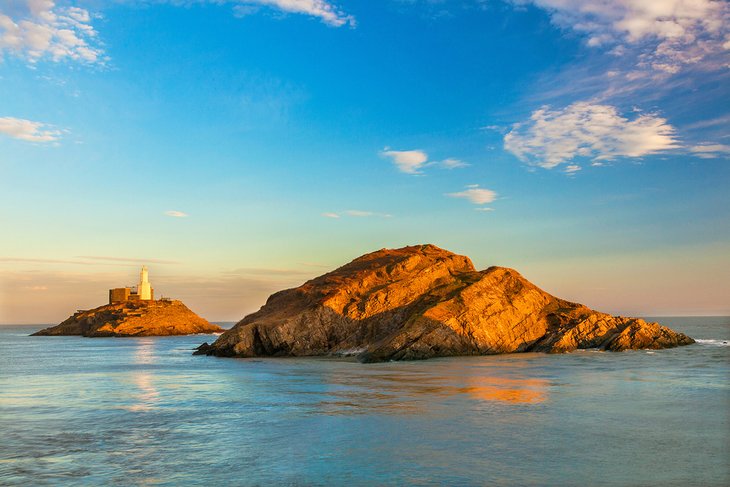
(144, 289)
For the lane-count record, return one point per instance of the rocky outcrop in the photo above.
(420, 302)
(134, 318)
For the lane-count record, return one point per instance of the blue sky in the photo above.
(239, 147)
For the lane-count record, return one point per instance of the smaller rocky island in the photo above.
(133, 313)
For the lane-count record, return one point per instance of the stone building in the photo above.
(143, 291)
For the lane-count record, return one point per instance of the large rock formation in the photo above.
(134, 318)
(420, 302)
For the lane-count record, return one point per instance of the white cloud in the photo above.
(325, 11)
(407, 161)
(357, 214)
(176, 214)
(484, 208)
(28, 130)
(36, 288)
(362, 213)
(36, 29)
(478, 196)
(573, 168)
(452, 163)
(710, 151)
(586, 130)
(667, 35)
(133, 260)
(40, 29)
(412, 161)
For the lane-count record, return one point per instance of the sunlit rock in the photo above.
(420, 302)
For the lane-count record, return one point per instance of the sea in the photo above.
(145, 411)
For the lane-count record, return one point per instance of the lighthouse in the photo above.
(144, 289)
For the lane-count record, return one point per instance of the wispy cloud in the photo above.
(38, 29)
(35, 30)
(321, 9)
(665, 36)
(407, 161)
(86, 260)
(356, 214)
(176, 214)
(476, 195)
(413, 161)
(710, 151)
(36, 288)
(30, 260)
(271, 272)
(133, 260)
(28, 130)
(452, 163)
(363, 213)
(585, 130)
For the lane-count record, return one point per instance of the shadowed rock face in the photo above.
(138, 318)
(421, 302)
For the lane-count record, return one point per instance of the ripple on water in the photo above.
(145, 411)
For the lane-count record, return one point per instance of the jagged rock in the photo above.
(421, 302)
(134, 318)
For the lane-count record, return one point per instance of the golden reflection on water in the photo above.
(144, 354)
(410, 390)
(518, 391)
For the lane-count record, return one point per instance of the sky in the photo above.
(241, 147)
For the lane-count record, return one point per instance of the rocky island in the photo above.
(133, 312)
(134, 319)
(420, 302)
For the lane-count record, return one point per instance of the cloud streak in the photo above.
(475, 195)
(176, 214)
(87, 260)
(413, 161)
(710, 151)
(590, 131)
(325, 11)
(28, 130)
(127, 259)
(356, 214)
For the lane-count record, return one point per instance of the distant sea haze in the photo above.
(100, 411)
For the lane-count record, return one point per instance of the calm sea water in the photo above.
(144, 411)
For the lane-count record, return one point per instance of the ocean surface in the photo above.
(144, 411)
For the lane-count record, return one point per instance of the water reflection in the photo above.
(144, 354)
(409, 389)
(517, 391)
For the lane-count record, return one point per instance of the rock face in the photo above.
(134, 318)
(420, 302)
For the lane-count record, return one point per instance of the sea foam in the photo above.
(716, 343)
